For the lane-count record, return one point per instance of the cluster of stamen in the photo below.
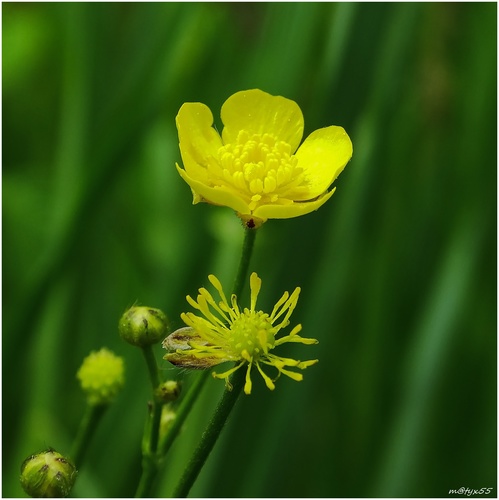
(252, 334)
(260, 168)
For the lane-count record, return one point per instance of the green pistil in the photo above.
(252, 332)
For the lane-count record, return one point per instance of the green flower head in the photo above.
(101, 376)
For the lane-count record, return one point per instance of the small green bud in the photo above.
(143, 326)
(168, 391)
(47, 475)
(167, 418)
(101, 376)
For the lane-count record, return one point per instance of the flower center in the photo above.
(260, 168)
(252, 332)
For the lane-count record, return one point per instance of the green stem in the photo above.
(195, 389)
(150, 467)
(210, 435)
(150, 457)
(242, 272)
(88, 425)
(156, 405)
(152, 367)
(229, 397)
(183, 411)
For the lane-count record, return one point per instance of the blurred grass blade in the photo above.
(424, 367)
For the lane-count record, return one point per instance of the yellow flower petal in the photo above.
(213, 195)
(293, 210)
(255, 285)
(295, 376)
(322, 157)
(198, 139)
(305, 364)
(260, 113)
(268, 382)
(228, 372)
(296, 338)
(248, 385)
(218, 287)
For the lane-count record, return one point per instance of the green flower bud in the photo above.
(167, 418)
(143, 326)
(47, 475)
(168, 391)
(101, 376)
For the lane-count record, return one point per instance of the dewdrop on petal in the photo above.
(48, 475)
(101, 376)
(142, 326)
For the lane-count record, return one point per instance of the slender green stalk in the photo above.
(242, 271)
(150, 466)
(183, 411)
(152, 367)
(88, 425)
(210, 435)
(195, 389)
(229, 397)
(150, 457)
(153, 451)
(157, 406)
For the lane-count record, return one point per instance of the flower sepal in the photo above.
(48, 475)
(180, 342)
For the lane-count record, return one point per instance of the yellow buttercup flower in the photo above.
(255, 166)
(228, 333)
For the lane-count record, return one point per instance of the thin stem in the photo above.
(150, 466)
(183, 411)
(210, 435)
(242, 272)
(229, 397)
(156, 405)
(150, 457)
(195, 389)
(88, 425)
(152, 366)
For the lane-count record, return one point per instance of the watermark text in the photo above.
(469, 492)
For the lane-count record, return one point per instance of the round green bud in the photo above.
(101, 376)
(143, 326)
(168, 391)
(47, 475)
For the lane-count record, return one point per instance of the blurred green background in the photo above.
(398, 269)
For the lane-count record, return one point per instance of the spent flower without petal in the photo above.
(226, 332)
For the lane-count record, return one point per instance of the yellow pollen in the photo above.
(258, 167)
